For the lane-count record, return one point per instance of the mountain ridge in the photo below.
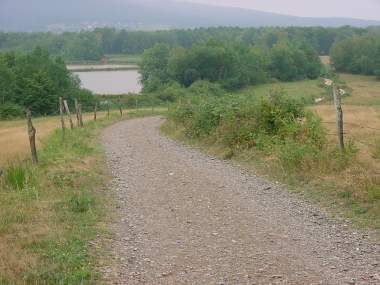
(18, 15)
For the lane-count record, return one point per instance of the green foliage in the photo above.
(154, 67)
(288, 63)
(358, 55)
(201, 87)
(10, 111)
(80, 202)
(275, 125)
(18, 178)
(92, 45)
(232, 66)
(35, 81)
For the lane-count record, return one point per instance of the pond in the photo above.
(110, 82)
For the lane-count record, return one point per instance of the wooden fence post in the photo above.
(77, 112)
(120, 107)
(108, 109)
(95, 110)
(137, 104)
(61, 113)
(32, 136)
(68, 113)
(339, 116)
(80, 115)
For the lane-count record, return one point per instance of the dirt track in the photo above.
(186, 218)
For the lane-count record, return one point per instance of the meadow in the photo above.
(14, 143)
(52, 211)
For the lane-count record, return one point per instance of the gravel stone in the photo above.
(188, 218)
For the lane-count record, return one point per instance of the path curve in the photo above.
(187, 218)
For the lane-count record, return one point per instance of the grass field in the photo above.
(14, 143)
(50, 212)
(307, 90)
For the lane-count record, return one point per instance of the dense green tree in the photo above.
(154, 67)
(231, 65)
(93, 45)
(358, 55)
(36, 81)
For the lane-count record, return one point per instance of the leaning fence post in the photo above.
(80, 115)
(120, 107)
(95, 110)
(62, 118)
(68, 113)
(32, 136)
(77, 111)
(339, 116)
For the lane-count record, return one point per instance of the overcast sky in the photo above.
(364, 9)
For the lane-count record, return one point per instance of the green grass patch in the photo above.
(51, 211)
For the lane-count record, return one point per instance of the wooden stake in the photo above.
(68, 113)
(61, 112)
(95, 110)
(77, 112)
(108, 110)
(339, 117)
(32, 136)
(80, 115)
(137, 104)
(120, 107)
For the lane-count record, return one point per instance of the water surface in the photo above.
(111, 82)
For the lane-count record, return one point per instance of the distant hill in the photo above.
(40, 15)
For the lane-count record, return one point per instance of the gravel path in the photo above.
(187, 218)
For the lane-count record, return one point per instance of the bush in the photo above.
(11, 111)
(276, 125)
(203, 87)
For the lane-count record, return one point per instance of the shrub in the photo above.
(10, 111)
(203, 87)
(276, 125)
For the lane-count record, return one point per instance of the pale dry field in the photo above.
(361, 118)
(14, 142)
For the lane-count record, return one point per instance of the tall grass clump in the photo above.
(18, 177)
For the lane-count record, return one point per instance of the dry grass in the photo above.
(14, 143)
(362, 125)
(365, 90)
(325, 59)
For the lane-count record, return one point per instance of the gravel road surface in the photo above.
(186, 218)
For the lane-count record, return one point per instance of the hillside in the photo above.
(41, 15)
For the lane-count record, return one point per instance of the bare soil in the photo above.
(187, 218)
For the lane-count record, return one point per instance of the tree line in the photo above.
(35, 81)
(233, 65)
(95, 44)
(358, 55)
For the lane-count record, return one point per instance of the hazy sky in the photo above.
(365, 9)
